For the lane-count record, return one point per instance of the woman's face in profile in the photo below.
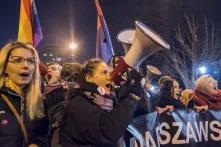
(101, 76)
(176, 90)
(54, 74)
(211, 87)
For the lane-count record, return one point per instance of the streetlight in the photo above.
(203, 69)
(72, 45)
(60, 52)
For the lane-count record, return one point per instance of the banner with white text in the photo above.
(180, 128)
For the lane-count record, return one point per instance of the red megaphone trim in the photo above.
(121, 67)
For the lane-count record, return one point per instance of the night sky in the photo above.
(59, 17)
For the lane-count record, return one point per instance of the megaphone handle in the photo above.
(120, 68)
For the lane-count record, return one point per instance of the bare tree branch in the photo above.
(196, 45)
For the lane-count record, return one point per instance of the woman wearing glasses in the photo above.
(22, 121)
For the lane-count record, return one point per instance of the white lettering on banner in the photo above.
(157, 132)
(133, 142)
(202, 130)
(149, 140)
(164, 133)
(198, 131)
(136, 134)
(216, 130)
(177, 134)
(190, 133)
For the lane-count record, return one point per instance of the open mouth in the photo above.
(178, 94)
(49, 77)
(25, 75)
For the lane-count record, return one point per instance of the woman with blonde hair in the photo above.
(206, 92)
(22, 121)
(186, 96)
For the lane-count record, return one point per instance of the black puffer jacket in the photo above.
(10, 131)
(87, 125)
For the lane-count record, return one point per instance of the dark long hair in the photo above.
(166, 89)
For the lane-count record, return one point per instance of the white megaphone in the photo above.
(139, 44)
(126, 38)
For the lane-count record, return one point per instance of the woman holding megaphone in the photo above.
(86, 123)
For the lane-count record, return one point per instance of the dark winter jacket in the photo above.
(87, 125)
(52, 98)
(164, 101)
(55, 101)
(10, 130)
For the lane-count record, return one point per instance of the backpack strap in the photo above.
(15, 112)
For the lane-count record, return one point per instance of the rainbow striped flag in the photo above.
(29, 26)
(104, 48)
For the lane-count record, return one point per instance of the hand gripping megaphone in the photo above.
(145, 43)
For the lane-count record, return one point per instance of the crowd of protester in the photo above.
(79, 104)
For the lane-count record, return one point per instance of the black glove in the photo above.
(134, 83)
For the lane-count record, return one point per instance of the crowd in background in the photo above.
(79, 104)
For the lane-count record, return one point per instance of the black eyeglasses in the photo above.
(17, 60)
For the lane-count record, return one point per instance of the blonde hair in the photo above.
(202, 82)
(186, 96)
(33, 90)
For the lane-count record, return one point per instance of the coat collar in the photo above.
(9, 92)
(88, 86)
